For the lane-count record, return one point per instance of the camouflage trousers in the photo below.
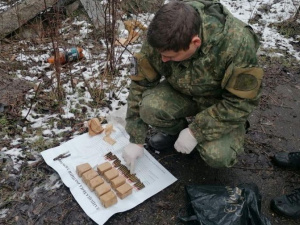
(166, 110)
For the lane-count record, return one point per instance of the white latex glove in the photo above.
(185, 142)
(131, 153)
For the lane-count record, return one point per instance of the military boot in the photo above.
(162, 141)
(288, 160)
(287, 205)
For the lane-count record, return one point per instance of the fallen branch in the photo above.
(32, 100)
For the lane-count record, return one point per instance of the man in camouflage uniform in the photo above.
(208, 61)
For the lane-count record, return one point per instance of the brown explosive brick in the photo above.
(82, 168)
(111, 174)
(102, 189)
(87, 176)
(95, 182)
(108, 199)
(124, 190)
(102, 168)
(118, 181)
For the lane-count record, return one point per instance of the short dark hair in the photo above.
(173, 27)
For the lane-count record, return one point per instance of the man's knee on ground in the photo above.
(223, 163)
(223, 152)
(219, 161)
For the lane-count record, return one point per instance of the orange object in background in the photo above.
(62, 58)
(73, 54)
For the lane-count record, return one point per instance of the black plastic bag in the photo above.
(220, 205)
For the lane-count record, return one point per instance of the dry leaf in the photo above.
(94, 126)
(133, 24)
(75, 81)
(13, 57)
(121, 41)
(133, 36)
(36, 87)
(133, 27)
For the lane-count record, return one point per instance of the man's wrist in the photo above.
(191, 132)
(196, 132)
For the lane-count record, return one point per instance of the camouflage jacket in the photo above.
(222, 75)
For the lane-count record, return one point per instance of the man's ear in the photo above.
(196, 41)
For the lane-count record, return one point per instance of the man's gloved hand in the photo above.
(185, 142)
(131, 153)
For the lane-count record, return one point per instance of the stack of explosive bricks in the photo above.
(107, 182)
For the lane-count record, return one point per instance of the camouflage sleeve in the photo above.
(241, 93)
(135, 126)
(146, 77)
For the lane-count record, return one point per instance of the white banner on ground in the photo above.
(87, 149)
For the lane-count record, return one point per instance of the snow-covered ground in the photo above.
(275, 11)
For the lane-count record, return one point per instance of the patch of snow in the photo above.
(16, 141)
(14, 154)
(53, 182)
(275, 12)
(3, 211)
